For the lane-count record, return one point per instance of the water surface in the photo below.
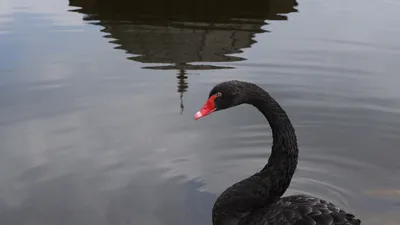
(97, 101)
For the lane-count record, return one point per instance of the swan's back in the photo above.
(300, 210)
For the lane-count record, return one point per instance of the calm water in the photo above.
(97, 100)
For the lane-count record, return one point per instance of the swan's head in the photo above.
(222, 96)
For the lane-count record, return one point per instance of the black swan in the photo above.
(257, 199)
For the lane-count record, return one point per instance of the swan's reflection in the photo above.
(178, 33)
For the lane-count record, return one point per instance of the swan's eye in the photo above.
(219, 94)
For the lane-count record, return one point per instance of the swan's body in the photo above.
(257, 200)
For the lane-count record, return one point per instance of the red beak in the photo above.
(208, 108)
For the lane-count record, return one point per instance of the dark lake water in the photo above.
(97, 100)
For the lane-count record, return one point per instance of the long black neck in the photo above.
(270, 183)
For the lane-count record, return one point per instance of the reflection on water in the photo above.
(91, 135)
(147, 199)
(181, 35)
